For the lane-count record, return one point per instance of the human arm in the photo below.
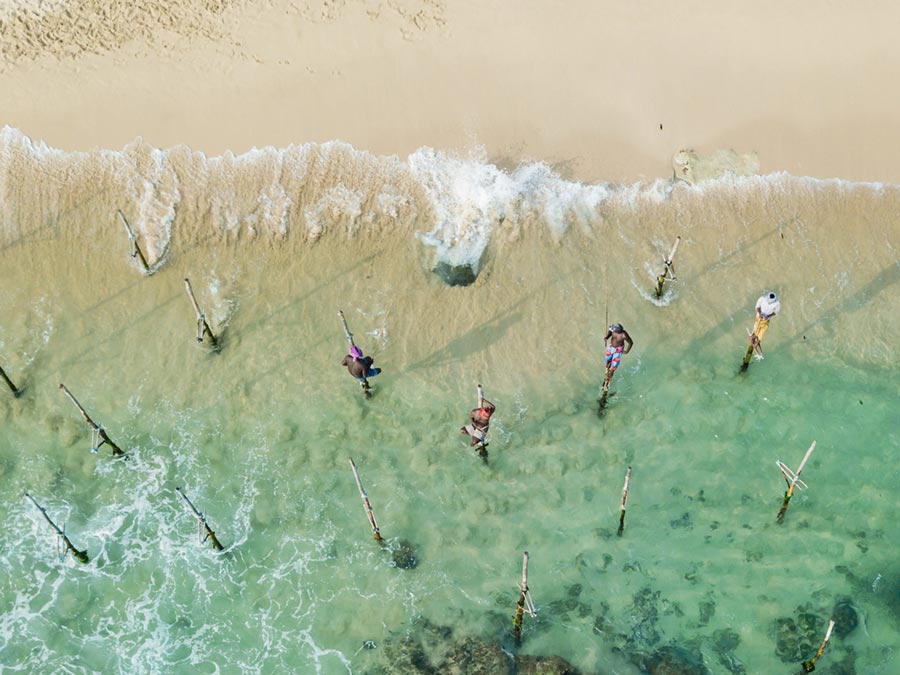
(629, 343)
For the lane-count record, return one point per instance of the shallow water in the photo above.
(258, 435)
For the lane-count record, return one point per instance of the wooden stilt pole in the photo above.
(749, 355)
(204, 531)
(9, 383)
(755, 345)
(792, 480)
(202, 325)
(809, 666)
(482, 447)
(100, 431)
(135, 248)
(624, 499)
(661, 278)
(347, 332)
(525, 603)
(604, 394)
(80, 556)
(365, 499)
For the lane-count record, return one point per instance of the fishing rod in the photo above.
(67, 546)
(202, 525)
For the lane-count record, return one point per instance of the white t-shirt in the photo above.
(768, 308)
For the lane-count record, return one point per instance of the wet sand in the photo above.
(600, 90)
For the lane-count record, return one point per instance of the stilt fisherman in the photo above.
(617, 342)
(767, 307)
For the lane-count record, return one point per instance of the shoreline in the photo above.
(589, 101)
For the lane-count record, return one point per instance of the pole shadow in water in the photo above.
(253, 326)
(883, 280)
(115, 335)
(51, 223)
(472, 341)
(778, 229)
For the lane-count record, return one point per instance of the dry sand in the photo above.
(602, 90)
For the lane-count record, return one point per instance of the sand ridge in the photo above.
(74, 28)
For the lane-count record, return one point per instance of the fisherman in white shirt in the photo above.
(767, 306)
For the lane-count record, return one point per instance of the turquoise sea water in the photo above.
(258, 435)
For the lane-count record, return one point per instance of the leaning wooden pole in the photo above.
(661, 278)
(604, 397)
(749, 355)
(202, 325)
(100, 431)
(624, 499)
(135, 248)
(80, 556)
(365, 498)
(524, 603)
(792, 480)
(204, 531)
(9, 383)
(482, 447)
(809, 666)
(347, 332)
(755, 345)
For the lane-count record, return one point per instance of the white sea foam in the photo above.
(456, 205)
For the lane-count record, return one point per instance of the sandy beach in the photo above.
(600, 90)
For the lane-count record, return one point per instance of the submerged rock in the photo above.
(707, 611)
(456, 275)
(682, 523)
(430, 649)
(673, 660)
(544, 665)
(796, 639)
(405, 657)
(471, 656)
(602, 623)
(570, 604)
(403, 555)
(644, 616)
(845, 617)
(725, 641)
(436, 640)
